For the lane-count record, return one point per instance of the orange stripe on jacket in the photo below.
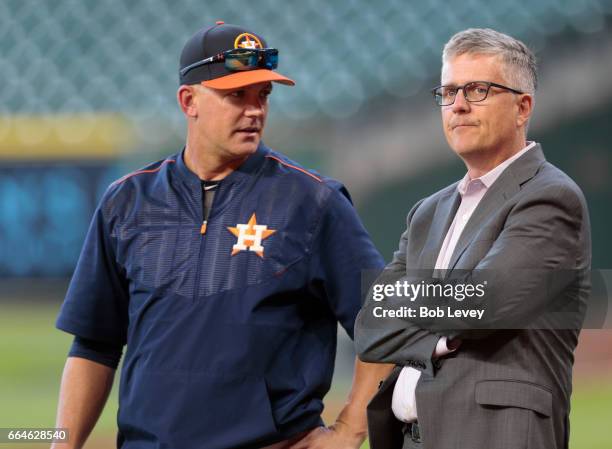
(140, 172)
(295, 168)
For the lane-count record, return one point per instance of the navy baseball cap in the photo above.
(207, 43)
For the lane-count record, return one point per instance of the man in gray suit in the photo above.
(517, 228)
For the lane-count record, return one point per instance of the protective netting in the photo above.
(122, 55)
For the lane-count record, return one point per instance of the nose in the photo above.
(255, 107)
(460, 104)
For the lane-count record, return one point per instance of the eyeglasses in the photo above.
(240, 59)
(473, 92)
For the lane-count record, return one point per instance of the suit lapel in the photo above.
(507, 185)
(491, 202)
(443, 217)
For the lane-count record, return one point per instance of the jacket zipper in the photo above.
(196, 287)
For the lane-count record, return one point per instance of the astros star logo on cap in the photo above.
(247, 40)
(206, 59)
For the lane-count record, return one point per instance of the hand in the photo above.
(338, 436)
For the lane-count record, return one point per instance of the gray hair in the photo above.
(516, 56)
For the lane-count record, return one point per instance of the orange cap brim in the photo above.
(246, 78)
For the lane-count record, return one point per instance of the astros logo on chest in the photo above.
(250, 236)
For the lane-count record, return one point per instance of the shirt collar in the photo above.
(491, 176)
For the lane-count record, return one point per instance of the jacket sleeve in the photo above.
(394, 340)
(96, 304)
(342, 253)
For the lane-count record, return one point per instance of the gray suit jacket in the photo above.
(508, 387)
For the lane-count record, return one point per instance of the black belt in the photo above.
(412, 430)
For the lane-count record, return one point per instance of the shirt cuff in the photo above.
(442, 348)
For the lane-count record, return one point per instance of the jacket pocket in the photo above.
(514, 393)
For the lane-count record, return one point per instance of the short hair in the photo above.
(516, 56)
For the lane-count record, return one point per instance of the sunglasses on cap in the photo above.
(240, 59)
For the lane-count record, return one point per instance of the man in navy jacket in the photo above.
(225, 269)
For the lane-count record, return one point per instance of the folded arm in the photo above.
(533, 261)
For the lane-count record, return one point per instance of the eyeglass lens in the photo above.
(474, 92)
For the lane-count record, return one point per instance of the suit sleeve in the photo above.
(536, 265)
(394, 340)
(96, 304)
(342, 253)
(538, 258)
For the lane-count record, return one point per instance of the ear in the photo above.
(186, 97)
(525, 107)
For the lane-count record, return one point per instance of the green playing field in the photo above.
(32, 354)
